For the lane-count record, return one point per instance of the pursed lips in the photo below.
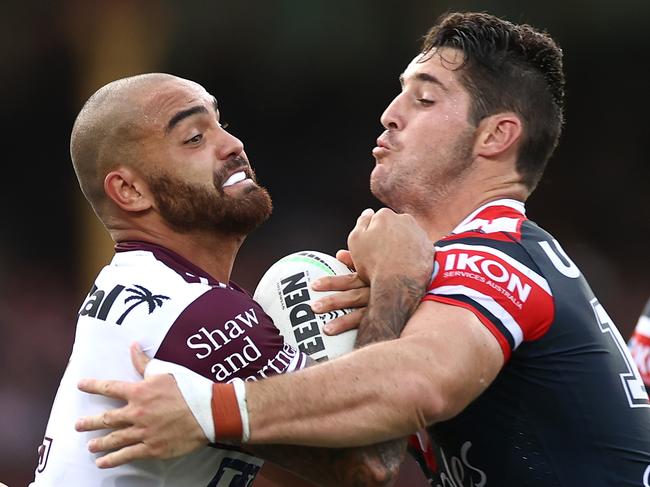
(384, 141)
(383, 146)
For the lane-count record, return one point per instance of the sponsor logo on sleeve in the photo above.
(205, 342)
(491, 272)
(499, 283)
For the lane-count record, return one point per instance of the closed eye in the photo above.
(425, 101)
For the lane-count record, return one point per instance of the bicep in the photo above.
(459, 355)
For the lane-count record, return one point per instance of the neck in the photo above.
(212, 252)
(450, 211)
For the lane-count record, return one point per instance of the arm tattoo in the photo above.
(376, 465)
(392, 302)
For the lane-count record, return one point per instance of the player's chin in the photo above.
(244, 193)
(258, 193)
(378, 181)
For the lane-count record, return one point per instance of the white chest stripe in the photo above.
(503, 224)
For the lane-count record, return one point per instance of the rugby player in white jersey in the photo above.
(510, 362)
(178, 196)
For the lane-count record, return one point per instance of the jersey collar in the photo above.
(188, 271)
(516, 205)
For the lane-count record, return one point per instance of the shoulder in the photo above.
(485, 268)
(490, 249)
(217, 317)
(138, 289)
(225, 334)
(142, 268)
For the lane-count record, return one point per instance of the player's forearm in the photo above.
(372, 395)
(376, 465)
(393, 299)
(362, 466)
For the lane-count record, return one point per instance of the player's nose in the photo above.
(228, 145)
(391, 118)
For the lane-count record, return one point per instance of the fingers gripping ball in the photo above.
(284, 292)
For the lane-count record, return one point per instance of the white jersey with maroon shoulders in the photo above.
(569, 407)
(178, 313)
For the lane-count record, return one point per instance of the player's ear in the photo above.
(497, 134)
(127, 189)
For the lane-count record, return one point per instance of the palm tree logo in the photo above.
(141, 295)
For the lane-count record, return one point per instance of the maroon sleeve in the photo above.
(224, 334)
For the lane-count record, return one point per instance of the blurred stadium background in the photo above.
(303, 83)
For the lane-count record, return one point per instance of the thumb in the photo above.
(139, 358)
(345, 257)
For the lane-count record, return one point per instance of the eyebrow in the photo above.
(183, 114)
(426, 78)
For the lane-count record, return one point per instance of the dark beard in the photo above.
(187, 207)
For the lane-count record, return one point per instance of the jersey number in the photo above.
(234, 473)
(632, 382)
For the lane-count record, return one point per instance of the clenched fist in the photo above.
(385, 244)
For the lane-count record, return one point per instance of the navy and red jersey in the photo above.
(569, 407)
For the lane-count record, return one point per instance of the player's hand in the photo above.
(155, 423)
(387, 245)
(351, 292)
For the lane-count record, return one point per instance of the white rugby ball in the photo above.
(285, 294)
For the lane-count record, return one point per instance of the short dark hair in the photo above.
(508, 67)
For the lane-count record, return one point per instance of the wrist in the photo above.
(230, 411)
(401, 290)
(195, 390)
(393, 299)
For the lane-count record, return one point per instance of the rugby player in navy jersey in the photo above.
(176, 192)
(510, 363)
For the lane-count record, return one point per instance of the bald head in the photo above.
(107, 130)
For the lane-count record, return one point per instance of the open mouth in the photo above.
(235, 178)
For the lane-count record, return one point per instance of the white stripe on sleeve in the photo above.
(488, 303)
